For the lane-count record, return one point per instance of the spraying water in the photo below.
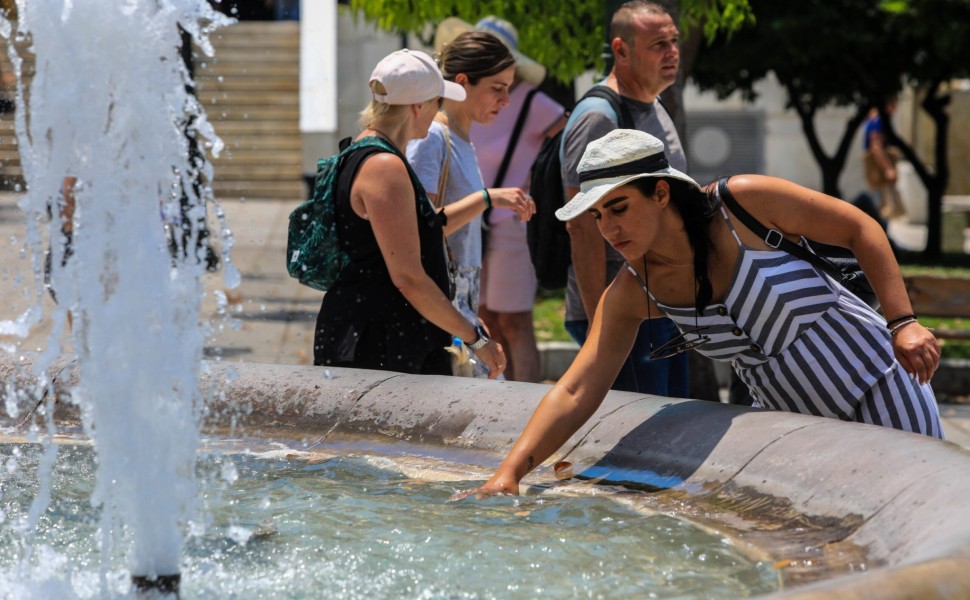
(107, 129)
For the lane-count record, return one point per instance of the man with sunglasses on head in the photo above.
(646, 57)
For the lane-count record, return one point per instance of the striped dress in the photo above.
(802, 343)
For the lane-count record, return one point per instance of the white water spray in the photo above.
(108, 108)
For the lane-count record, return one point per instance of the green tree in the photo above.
(565, 36)
(852, 53)
(931, 39)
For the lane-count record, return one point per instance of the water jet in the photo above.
(826, 508)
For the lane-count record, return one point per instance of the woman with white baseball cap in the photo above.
(800, 340)
(390, 308)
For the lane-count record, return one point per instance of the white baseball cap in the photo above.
(412, 77)
(613, 160)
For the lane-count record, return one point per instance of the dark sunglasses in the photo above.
(680, 344)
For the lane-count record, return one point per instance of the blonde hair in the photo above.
(380, 112)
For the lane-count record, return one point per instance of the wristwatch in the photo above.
(482, 338)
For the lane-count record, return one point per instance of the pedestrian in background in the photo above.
(446, 163)
(390, 309)
(644, 42)
(506, 149)
(879, 161)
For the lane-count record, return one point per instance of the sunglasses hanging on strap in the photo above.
(837, 262)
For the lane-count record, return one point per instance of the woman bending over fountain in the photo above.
(795, 336)
(390, 308)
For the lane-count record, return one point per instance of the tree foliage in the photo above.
(852, 53)
(564, 35)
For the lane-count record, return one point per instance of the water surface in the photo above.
(352, 526)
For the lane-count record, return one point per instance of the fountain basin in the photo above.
(841, 509)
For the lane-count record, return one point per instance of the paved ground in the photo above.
(269, 317)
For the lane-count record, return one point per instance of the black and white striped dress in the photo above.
(803, 343)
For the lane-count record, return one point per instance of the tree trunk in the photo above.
(830, 166)
(934, 103)
(830, 170)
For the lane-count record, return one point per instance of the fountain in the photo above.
(106, 126)
(812, 506)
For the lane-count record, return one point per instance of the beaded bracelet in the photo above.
(488, 199)
(892, 322)
(899, 325)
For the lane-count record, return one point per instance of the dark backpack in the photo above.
(313, 251)
(547, 235)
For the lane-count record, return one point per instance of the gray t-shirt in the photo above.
(427, 158)
(592, 119)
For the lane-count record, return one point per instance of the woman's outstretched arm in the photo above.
(576, 396)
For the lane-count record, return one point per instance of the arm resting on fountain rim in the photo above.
(578, 394)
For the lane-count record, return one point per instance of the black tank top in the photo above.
(365, 306)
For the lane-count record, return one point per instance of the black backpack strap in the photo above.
(773, 237)
(514, 138)
(623, 115)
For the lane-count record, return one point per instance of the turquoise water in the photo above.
(350, 526)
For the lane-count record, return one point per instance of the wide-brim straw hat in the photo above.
(614, 160)
(526, 69)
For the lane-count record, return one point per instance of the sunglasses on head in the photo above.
(678, 344)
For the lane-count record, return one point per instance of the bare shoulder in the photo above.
(383, 164)
(756, 187)
(796, 209)
(625, 297)
(382, 184)
(382, 172)
(778, 199)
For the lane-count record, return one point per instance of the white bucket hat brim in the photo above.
(614, 160)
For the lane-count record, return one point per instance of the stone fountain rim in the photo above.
(909, 507)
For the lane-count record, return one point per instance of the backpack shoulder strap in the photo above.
(439, 200)
(623, 115)
(514, 138)
(773, 237)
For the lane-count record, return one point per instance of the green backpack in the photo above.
(313, 251)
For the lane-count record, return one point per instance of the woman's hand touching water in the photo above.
(498, 485)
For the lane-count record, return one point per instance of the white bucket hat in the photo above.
(614, 160)
(412, 77)
(526, 69)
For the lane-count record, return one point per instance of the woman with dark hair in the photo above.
(389, 309)
(445, 160)
(798, 339)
